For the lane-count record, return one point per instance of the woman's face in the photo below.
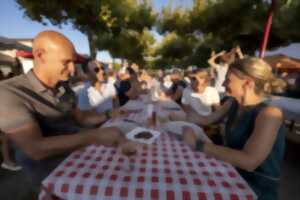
(100, 73)
(96, 72)
(235, 85)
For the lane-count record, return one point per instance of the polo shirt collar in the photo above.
(35, 82)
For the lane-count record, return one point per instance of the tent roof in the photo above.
(283, 62)
(6, 43)
(7, 60)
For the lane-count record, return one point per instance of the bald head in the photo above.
(54, 56)
(51, 40)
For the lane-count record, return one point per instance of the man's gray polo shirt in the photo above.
(25, 100)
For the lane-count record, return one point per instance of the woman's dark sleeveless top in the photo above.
(264, 180)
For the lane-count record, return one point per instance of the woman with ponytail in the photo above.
(254, 136)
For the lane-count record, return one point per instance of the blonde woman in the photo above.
(254, 135)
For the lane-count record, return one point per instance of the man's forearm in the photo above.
(45, 147)
(55, 145)
(90, 118)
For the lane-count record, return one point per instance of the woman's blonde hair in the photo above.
(261, 73)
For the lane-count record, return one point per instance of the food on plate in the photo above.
(143, 135)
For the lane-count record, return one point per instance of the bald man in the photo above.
(39, 114)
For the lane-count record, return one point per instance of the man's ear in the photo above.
(39, 54)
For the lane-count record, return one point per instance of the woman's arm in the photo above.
(213, 117)
(258, 146)
(186, 108)
(116, 103)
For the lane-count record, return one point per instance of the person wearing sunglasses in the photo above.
(98, 94)
(201, 99)
(40, 115)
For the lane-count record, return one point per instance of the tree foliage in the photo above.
(100, 20)
(223, 24)
(190, 33)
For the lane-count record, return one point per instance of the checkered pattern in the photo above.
(167, 169)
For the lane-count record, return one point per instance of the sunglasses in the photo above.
(98, 69)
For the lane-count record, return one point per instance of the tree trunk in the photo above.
(92, 45)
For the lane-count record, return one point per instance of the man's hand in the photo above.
(129, 148)
(107, 136)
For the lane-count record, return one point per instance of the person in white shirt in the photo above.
(219, 68)
(97, 94)
(111, 78)
(200, 97)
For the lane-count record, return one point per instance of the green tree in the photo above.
(99, 20)
(174, 50)
(223, 24)
(130, 44)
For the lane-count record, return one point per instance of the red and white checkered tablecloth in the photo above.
(167, 169)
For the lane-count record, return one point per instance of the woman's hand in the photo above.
(192, 117)
(120, 112)
(189, 137)
(177, 116)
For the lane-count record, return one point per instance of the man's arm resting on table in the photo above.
(30, 140)
(258, 146)
(90, 117)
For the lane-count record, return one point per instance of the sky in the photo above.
(13, 24)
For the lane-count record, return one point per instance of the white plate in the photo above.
(131, 135)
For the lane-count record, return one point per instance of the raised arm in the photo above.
(239, 52)
(211, 60)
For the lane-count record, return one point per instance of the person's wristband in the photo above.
(199, 145)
